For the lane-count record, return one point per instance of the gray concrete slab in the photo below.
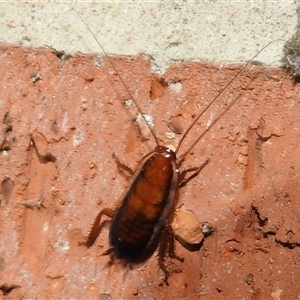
(166, 30)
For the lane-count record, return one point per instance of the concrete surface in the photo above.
(172, 30)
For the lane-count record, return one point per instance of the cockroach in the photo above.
(141, 222)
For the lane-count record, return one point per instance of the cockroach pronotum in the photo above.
(141, 222)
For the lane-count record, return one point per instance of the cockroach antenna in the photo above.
(121, 79)
(182, 156)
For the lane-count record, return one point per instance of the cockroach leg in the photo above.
(97, 226)
(167, 246)
(183, 181)
(163, 246)
(108, 252)
(122, 167)
(171, 247)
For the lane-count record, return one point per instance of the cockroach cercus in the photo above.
(141, 222)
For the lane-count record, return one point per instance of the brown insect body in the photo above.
(145, 206)
(142, 220)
